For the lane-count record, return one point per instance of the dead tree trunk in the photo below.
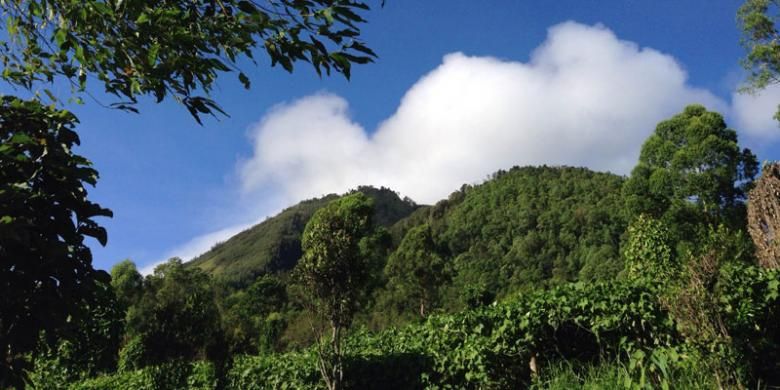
(764, 216)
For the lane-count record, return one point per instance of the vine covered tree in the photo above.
(416, 269)
(334, 271)
(691, 173)
(46, 271)
(173, 48)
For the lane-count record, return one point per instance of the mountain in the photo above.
(274, 245)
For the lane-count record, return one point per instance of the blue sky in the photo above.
(575, 82)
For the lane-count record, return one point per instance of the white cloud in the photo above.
(584, 98)
(754, 113)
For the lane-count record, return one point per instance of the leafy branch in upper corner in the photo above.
(173, 48)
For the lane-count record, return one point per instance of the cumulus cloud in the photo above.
(585, 98)
(754, 113)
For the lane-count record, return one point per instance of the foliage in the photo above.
(748, 300)
(532, 226)
(251, 317)
(489, 347)
(416, 269)
(170, 376)
(127, 283)
(334, 271)
(691, 173)
(177, 316)
(46, 269)
(274, 245)
(758, 22)
(648, 252)
(619, 327)
(86, 346)
(293, 370)
(132, 355)
(173, 48)
(614, 375)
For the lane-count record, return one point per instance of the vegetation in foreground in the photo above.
(540, 277)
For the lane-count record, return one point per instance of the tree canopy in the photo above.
(177, 317)
(691, 172)
(46, 269)
(416, 268)
(173, 48)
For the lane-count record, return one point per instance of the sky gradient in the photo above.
(460, 89)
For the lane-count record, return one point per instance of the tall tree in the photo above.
(691, 172)
(334, 271)
(46, 270)
(416, 269)
(173, 48)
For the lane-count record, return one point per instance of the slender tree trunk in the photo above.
(337, 365)
(422, 308)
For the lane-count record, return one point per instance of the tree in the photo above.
(691, 173)
(46, 269)
(177, 317)
(764, 216)
(127, 283)
(757, 20)
(416, 268)
(334, 270)
(251, 316)
(173, 48)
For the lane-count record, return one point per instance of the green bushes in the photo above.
(618, 333)
(489, 347)
(597, 335)
(294, 370)
(169, 376)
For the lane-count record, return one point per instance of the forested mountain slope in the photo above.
(275, 244)
(523, 228)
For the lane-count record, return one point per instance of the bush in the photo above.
(169, 376)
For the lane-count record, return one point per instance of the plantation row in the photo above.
(496, 346)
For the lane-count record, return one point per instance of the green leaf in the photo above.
(142, 18)
(152, 56)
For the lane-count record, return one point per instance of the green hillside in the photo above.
(523, 228)
(274, 244)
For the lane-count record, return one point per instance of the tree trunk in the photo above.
(337, 372)
(764, 216)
